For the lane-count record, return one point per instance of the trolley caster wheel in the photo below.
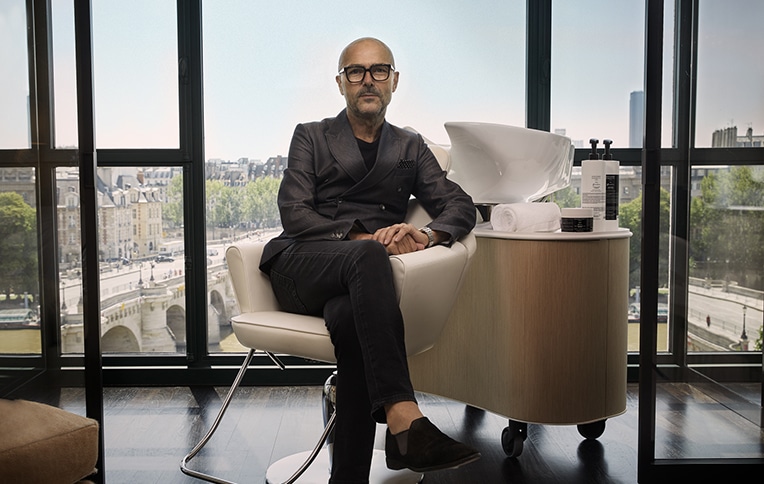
(512, 438)
(592, 430)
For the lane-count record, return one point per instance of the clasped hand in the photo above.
(397, 239)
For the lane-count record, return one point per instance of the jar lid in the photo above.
(577, 212)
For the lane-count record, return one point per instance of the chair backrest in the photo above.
(251, 287)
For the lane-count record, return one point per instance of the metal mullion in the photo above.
(680, 206)
(727, 156)
(33, 30)
(651, 157)
(18, 158)
(83, 34)
(192, 143)
(42, 135)
(538, 60)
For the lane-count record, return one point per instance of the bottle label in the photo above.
(611, 197)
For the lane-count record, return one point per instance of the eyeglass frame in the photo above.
(390, 70)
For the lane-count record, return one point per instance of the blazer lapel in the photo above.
(344, 148)
(387, 159)
(388, 154)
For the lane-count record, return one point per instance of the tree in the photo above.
(172, 212)
(630, 217)
(260, 202)
(18, 246)
(702, 218)
(727, 226)
(214, 193)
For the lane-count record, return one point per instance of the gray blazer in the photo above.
(327, 189)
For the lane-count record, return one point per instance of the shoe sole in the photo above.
(397, 465)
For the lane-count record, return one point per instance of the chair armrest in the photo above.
(252, 287)
(427, 283)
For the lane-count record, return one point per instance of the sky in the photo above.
(271, 65)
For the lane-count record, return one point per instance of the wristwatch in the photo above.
(430, 235)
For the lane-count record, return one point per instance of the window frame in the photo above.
(189, 156)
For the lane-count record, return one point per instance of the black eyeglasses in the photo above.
(379, 72)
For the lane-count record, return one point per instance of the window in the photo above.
(142, 272)
(726, 260)
(730, 97)
(64, 79)
(14, 95)
(135, 59)
(598, 71)
(260, 82)
(19, 284)
(450, 69)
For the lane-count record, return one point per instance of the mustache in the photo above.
(369, 90)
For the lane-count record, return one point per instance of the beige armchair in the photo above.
(427, 283)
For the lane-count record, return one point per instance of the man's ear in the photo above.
(395, 80)
(338, 78)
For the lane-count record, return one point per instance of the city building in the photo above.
(636, 118)
(729, 138)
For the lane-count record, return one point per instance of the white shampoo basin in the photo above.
(496, 163)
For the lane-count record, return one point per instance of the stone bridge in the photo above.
(152, 317)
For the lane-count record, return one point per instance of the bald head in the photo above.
(362, 41)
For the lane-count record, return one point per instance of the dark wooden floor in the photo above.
(148, 430)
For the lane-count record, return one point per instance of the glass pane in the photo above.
(598, 71)
(141, 260)
(717, 413)
(726, 259)
(135, 59)
(257, 89)
(458, 61)
(630, 217)
(69, 259)
(19, 284)
(730, 97)
(64, 78)
(14, 80)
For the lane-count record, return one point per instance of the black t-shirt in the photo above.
(368, 151)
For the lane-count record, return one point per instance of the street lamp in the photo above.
(744, 336)
(63, 296)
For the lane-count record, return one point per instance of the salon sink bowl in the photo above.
(496, 163)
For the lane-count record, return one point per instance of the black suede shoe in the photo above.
(426, 449)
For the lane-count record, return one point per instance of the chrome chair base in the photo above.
(305, 467)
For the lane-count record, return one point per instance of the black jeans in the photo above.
(350, 284)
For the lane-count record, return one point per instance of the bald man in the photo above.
(343, 202)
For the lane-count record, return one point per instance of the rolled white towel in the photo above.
(526, 217)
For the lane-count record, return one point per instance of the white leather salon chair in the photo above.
(427, 283)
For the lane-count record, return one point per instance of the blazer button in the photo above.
(382, 206)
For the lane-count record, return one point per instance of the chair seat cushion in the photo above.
(282, 332)
(44, 444)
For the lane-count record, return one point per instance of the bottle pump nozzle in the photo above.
(593, 155)
(607, 155)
